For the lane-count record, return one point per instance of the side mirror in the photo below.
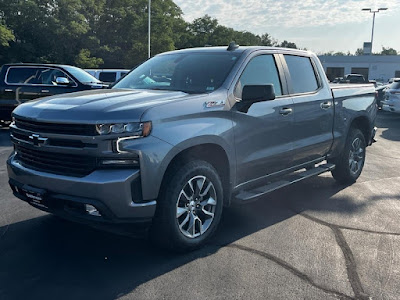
(255, 93)
(62, 81)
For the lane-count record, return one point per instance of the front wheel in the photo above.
(351, 162)
(189, 208)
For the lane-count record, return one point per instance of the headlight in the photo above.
(136, 129)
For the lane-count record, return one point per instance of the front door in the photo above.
(47, 79)
(263, 135)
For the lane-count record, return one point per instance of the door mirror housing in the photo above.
(62, 81)
(255, 93)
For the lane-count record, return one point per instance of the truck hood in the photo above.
(98, 106)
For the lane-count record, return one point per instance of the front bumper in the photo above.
(390, 106)
(112, 192)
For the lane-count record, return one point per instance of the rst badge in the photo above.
(210, 104)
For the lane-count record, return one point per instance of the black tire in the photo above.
(351, 161)
(165, 230)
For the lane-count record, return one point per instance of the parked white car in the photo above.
(392, 97)
(107, 75)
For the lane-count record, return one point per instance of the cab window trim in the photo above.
(39, 84)
(289, 78)
(279, 69)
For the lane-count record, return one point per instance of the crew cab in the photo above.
(23, 82)
(186, 134)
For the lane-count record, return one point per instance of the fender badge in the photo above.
(210, 104)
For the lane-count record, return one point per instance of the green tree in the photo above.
(359, 52)
(202, 30)
(84, 60)
(388, 51)
(106, 33)
(6, 36)
(267, 40)
(286, 44)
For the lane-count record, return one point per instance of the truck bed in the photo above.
(340, 90)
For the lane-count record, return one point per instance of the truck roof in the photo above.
(239, 49)
(37, 65)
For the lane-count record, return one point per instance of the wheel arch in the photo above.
(213, 153)
(362, 123)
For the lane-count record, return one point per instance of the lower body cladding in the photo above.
(103, 196)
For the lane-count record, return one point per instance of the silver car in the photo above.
(392, 97)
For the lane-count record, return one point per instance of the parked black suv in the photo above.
(23, 82)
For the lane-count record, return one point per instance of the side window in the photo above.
(108, 76)
(259, 71)
(302, 74)
(22, 75)
(48, 76)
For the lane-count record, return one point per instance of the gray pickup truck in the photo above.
(185, 134)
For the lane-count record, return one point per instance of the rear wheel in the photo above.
(351, 162)
(189, 208)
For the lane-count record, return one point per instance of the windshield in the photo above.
(187, 72)
(82, 75)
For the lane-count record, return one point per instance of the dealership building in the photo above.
(373, 67)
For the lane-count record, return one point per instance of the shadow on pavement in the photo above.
(390, 122)
(48, 258)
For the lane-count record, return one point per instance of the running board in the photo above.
(254, 194)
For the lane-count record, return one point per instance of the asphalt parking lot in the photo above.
(313, 240)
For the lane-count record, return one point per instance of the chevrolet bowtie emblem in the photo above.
(37, 140)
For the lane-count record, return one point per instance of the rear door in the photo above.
(263, 135)
(313, 109)
(22, 84)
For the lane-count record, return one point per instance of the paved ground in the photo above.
(313, 240)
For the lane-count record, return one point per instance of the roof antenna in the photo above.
(232, 46)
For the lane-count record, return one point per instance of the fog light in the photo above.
(119, 162)
(91, 210)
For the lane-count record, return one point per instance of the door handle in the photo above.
(285, 111)
(8, 90)
(45, 91)
(326, 105)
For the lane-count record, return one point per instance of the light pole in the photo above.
(373, 20)
(149, 25)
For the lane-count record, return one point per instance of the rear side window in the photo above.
(108, 76)
(302, 74)
(22, 75)
(260, 70)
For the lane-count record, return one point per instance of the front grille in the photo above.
(57, 163)
(53, 141)
(72, 129)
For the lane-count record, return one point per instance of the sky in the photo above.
(318, 25)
